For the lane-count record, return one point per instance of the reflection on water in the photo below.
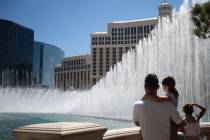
(8, 122)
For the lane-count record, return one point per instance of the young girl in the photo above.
(192, 127)
(172, 95)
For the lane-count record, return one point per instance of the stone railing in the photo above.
(85, 131)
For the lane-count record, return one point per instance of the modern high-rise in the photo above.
(107, 47)
(46, 57)
(74, 73)
(16, 54)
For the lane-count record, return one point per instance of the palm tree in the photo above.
(201, 18)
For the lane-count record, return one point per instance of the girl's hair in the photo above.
(171, 83)
(188, 109)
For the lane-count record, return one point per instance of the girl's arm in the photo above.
(156, 98)
(203, 110)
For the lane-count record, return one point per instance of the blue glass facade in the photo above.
(46, 56)
(16, 54)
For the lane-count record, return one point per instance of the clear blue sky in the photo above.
(68, 23)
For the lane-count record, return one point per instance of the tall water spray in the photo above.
(171, 49)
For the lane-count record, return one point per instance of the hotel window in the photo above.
(145, 29)
(151, 27)
(94, 58)
(101, 63)
(94, 50)
(131, 30)
(134, 30)
(126, 31)
(127, 49)
(102, 40)
(101, 72)
(148, 29)
(101, 58)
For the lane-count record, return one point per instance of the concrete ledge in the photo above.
(60, 131)
(205, 130)
(86, 131)
(123, 134)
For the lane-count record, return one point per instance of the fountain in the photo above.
(171, 49)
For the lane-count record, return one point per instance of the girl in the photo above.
(171, 92)
(192, 127)
(172, 95)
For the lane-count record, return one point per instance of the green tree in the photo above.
(201, 18)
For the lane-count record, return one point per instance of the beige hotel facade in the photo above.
(107, 49)
(73, 73)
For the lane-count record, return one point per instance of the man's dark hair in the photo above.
(151, 81)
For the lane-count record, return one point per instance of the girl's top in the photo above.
(192, 129)
(172, 98)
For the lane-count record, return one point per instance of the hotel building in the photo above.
(16, 54)
(74, 73)
(45, 58)
(108, 47)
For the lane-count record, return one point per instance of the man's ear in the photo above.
(145, 88)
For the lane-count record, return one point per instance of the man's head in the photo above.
(151, 84)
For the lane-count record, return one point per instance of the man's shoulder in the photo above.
(144, 102)
(138, 104)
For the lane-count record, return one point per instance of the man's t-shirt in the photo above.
(154, 118)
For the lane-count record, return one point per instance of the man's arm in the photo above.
(137, 123)
(180, 126)
(175, 116)
(135, 115)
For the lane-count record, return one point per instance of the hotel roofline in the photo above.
(137, 20)
(15, 24)
(76, 56)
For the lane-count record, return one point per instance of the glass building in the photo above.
(16, 54)
(46, 56)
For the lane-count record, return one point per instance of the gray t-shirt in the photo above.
(154, 118)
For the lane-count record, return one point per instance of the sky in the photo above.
(67, 24)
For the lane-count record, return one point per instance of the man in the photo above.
(154, 117)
